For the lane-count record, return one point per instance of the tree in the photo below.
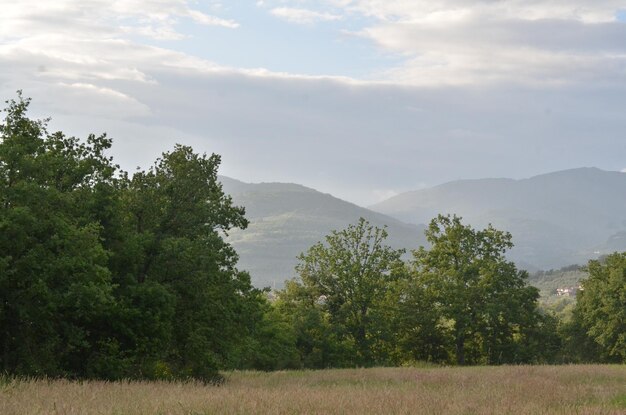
(320, 343)
(55, 286)
(271, 341)
(482, 298)
(347, 278)
(601, 307)
(418, 331)
(104, 275)
(176, 216)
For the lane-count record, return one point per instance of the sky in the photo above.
(362, 99)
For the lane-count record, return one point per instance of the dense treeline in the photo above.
(104, 274)
(108, 275)
(357, 303)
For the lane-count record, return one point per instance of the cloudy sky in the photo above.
(358, 98)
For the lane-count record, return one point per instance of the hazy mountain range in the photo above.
(286, 219)
(556, 219)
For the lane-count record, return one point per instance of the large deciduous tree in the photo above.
(601, 306)
(346, 280)
(55, 286)
(483, 299)
(176, 216)
(105, 275)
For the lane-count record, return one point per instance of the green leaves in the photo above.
(171, 237)
(108, 276)
(601, 307)
(346, 279)
(483, 297)
(55, 285)
(358, 303)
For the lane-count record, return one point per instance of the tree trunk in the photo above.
(460, 349)
(361, 337)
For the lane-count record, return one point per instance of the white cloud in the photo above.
(106, 102)
(480, 41)
(82, 51)
(206, 19)
(335, 133)
(448, 42)
(590, 11)
(97, 18)
(303, 16)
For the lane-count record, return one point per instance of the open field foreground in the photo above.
(478, 390)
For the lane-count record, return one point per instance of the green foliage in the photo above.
(55, 287)
(175, 216)
(418, 331)
(108, 276)
(357, 303)
(319, 343)
(577, 346)
(482, 300)
(600, 314)
(271, 343)
(343, 284)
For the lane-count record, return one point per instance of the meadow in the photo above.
(575, 389)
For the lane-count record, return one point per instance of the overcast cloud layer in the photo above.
(359, 98)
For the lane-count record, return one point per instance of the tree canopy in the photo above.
(488, 308)
(601, 308)
(108, 275)
(346, 280)
(460, 298)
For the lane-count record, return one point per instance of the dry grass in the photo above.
(481, 390)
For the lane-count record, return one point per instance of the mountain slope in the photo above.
(556, 219)
(286, 219)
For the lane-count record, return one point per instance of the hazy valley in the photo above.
(286, 219)
(556, 219)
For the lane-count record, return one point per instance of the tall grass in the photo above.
(478, 390)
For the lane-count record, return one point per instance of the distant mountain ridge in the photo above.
(286, 219)
(556, 219)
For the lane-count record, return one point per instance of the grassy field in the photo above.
(479, 390)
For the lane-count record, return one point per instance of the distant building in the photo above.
(568, 291)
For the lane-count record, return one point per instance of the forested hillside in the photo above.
(550, 281)
(286, 219)
(556, 219)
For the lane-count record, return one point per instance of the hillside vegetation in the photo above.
(286, 219)
(556, 219)
(549, 281)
